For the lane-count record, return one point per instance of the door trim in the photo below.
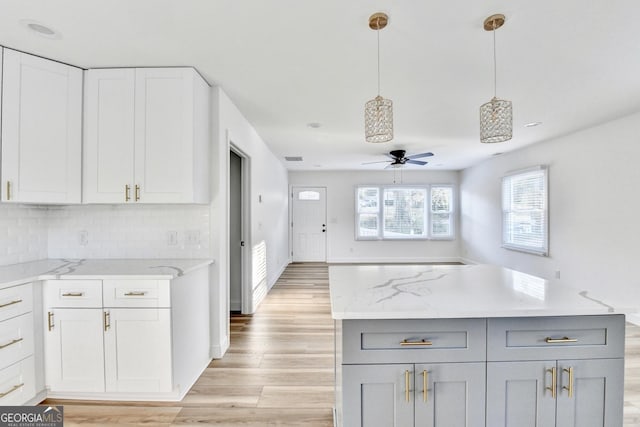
(247, 292)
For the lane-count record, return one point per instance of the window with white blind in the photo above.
(524, 211)
(404, 212)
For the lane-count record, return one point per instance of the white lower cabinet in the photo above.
(126, 339)
(425, 395)
(18, 384)
(137, 348)
(74, 349)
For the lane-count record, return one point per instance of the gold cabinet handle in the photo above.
(16, 341)
(14, 388)
(550, 340)
(50, 320)
(554, 382)
(73, 294)
(107, 321)
(410, 343)
(8, 190)
(127, 192)
(135, 294)
(569, 388)
(425, 381)
(406, 386)
(17, 301)
(137, 195)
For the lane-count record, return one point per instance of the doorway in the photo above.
(236, 242)
(309, 224)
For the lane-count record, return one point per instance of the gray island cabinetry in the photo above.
(472, 346)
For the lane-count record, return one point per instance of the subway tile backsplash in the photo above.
(23, 233)
(103, 231)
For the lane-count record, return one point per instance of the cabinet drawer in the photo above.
(16, 339)
(413, 341)
(540, 338)
(15, 301)
(73, 293)
(136, 293)
(18, 383)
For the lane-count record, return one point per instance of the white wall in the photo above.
(23, 233)
(267, 235)
(594, 183)
(341, 243)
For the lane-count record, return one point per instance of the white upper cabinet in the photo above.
(41, 130)
(146, 136)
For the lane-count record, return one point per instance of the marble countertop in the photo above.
(457, 291)
(16, 274)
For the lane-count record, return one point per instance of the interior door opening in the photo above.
(236, 243)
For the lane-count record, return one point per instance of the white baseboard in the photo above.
(469, 261)
(390, 260)
(218, 350)
(633, 318)
(275, 278)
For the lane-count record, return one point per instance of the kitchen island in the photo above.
(473, 346)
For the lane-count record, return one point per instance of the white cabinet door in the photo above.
(74, 358)
(168, 102)
(109, 135)
(138, 350)
(146, 136)
(41, 130)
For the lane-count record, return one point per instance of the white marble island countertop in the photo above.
(48, 269)
(452, 291)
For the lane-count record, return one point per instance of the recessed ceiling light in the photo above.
(314, 125)
(40, 29)
(293, 158)
(497, 154)
(532, 124)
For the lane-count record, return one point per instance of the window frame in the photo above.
(380, 212)
(544, 249)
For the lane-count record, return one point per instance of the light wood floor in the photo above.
(278, 370)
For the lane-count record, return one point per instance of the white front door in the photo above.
(309, 224)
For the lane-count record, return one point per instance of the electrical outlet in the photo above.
(172, 238)
(83, 237)
(192, 237)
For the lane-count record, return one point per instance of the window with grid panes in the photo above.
(525, 211)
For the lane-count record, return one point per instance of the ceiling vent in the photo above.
(293, 158)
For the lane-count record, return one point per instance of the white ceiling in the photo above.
(570, 64)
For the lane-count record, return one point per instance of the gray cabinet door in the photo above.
(376, 395)
(450, 395)
(517, 394)
(597, 395)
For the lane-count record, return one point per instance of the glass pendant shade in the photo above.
(496, 121)
(378, 120)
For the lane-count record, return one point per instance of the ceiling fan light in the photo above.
(378, 120)
(496, 121)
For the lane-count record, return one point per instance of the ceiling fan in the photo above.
(398, 159)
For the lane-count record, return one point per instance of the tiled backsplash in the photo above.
(23, 233)
(103, 231)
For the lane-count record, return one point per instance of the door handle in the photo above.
(554, 382)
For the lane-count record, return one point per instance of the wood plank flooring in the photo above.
(278, 370)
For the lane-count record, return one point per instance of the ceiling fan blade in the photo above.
(418, 156)
(416, 162)
(371, 163)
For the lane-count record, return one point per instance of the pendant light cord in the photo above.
(378, 33)
(495, 67)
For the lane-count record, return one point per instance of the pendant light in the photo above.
(496, 116)
(378, 112)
